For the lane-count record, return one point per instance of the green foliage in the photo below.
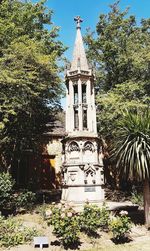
(131, 150)
(111, 105)
(65, 223)
(25, 199)
(13, 233)
(93, 218)
(6, 189)
(120, 227)
(29, 80)
(41, 209)
(120, 53)
(137, 198)
(118, 49)
(8, 198)
(132, 147)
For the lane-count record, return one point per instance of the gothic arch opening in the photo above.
(88, 146)
(73, 146)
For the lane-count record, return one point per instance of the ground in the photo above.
(140, 238)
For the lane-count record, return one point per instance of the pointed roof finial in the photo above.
(79, 56)
(78, 20)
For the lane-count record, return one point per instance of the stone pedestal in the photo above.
(82, 171)
(82, 194)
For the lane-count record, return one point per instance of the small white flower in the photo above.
(123, 213)
(69, 214)
(48, 213)
(59, 206)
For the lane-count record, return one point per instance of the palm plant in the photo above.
(132, 151)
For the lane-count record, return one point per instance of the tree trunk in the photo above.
(147, 202)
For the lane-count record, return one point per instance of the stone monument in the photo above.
(82, 162)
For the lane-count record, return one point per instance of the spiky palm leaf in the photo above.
(132, 147)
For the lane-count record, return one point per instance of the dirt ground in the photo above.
(140, 238)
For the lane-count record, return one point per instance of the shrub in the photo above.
(93, 218)
(25, 199)
(13, 233)
(65, 223)
(104, 217)
(120, 227)
(137, 198)
(41, 209)
(6, 190)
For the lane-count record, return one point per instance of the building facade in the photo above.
(41, 171)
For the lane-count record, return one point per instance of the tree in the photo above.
(110, 105)
(120, 53)
(29, 80)
(117, 48)
(132, 151)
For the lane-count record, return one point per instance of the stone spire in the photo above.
(79, 56)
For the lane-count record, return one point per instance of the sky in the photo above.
(89, 10)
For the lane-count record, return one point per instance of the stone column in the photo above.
(89, 112)
(67, 108)
(71, 117)
(94, 110)
(80, 105)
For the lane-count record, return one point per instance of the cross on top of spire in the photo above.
(78, 20)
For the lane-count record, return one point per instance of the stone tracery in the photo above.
(88, 146)
(89, 173)
(73, 146)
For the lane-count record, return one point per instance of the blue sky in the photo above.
(89, 10)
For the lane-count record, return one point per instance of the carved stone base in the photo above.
(82, 193)
(82, 170)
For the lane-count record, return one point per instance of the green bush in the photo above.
(93, 218)
(137, 198)
(65, 223)
(120, 226)
(13, 233)
(104, 217)
(25, 199)
(6, 190)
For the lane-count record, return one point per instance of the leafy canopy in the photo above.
(120, 51)
(29, 81)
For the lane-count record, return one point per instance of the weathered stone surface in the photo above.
(82, 159)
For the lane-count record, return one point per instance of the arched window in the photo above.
(73, 146)
(88, 146)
